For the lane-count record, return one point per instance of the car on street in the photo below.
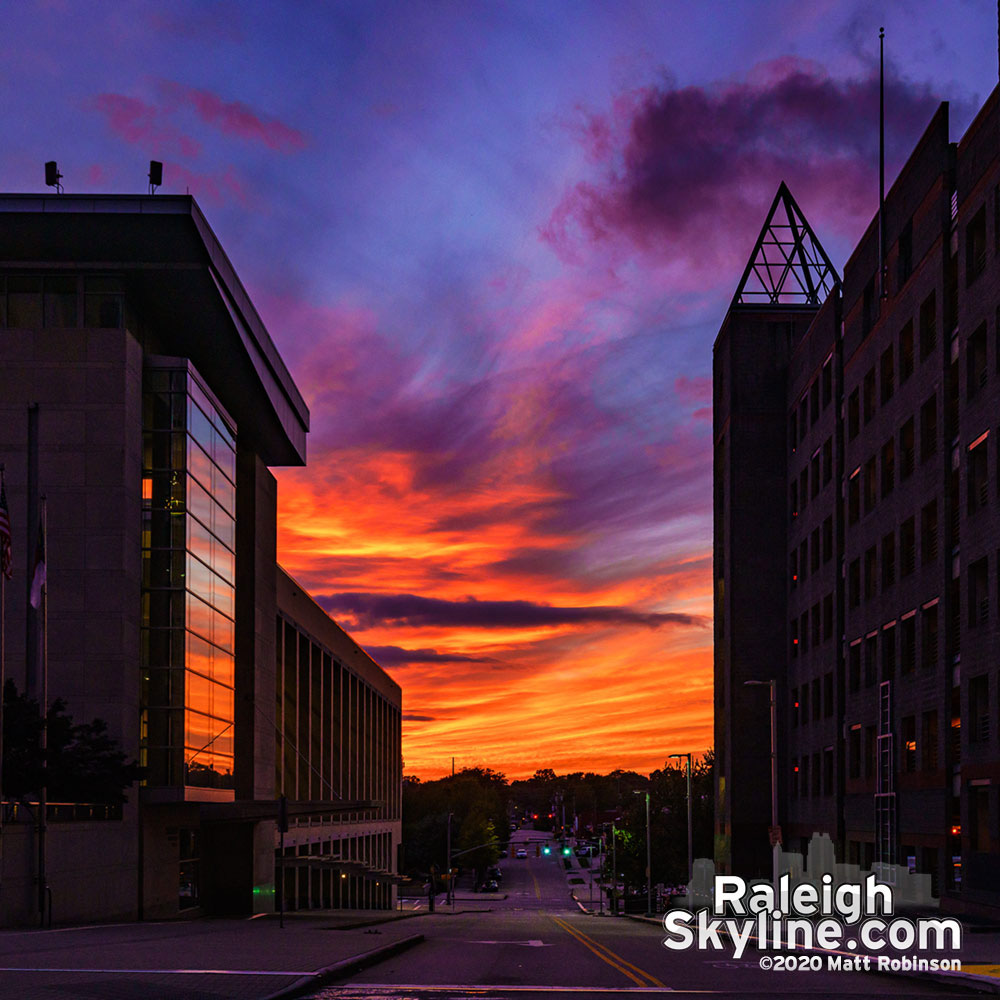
(520, 853)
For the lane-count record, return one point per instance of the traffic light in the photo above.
(546, 850)
(567, 850)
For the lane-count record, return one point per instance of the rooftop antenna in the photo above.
(52, 175)
(155, 175)
(883, 290)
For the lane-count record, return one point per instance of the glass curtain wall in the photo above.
(188, 596)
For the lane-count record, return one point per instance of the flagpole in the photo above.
(43, 795)
(3, 672)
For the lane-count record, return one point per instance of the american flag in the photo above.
(6, 554)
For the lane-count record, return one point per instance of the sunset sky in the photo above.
(494, 243)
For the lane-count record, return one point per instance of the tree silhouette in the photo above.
(82, 763)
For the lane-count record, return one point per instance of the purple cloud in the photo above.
(371, 610)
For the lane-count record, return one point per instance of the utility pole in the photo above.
(690, 828)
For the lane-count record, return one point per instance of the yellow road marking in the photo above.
(538, 891)
(585, 939)
(604, 958)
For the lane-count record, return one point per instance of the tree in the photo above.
(82, 763)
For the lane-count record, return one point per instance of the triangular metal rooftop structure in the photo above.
(788, 265)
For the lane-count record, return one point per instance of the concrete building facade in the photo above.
(142, 396)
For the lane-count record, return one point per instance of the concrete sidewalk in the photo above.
(199, 959)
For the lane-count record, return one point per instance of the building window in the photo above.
(813, 403)
(907, 547)
(793, 629)
(906, 449)
(827, 380)
(904, 262)
(793, 437)
(928, 326)
(804, 775)
(188, 593)
(854, 751)
(906, 352)
(854, 665)
(61, 302)
(868, 396)
(804, 703)
(827, 461)
(804, 487)
(104, 303)
(828, 617)
(868, 304)
(828, 770)
(793, 498)
(871, 570)
(828, 694)
(929, 637)
(795, 707)
(803, 417)
(814, 550)
(817, 700)
(804, 631)
(793, 567)
(975, 246)
(887, 375)
(854, 496)
(814, 476)
(888, 467)
(928, 428)
(929, 533)
(24, 302)
(929, 744)
(870, 485)
(804, 558)
(828, 539)
(871, 663)
(978, 372)
(888, 653)
(815, 629)
(816, 775)
(853, 415)
(869, 752)
(908, 739)
(979, 709)
(888, 560)
(979, 496)
(979, 592)
(854, 583)
(908, 644)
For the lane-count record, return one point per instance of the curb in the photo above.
(345, 967)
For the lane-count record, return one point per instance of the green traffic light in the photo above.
(567, 850)
(546, 849)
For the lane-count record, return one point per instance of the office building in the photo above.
(143, 398)
(857, 531)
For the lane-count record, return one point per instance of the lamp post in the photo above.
(690, 875)
(614, 867)
(776, 847)
(649, 860)
(450, 897)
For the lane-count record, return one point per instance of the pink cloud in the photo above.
(238, 119)
(693, 390)
(143, 124)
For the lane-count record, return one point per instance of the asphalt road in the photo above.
(537, 943)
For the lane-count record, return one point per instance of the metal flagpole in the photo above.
(4, 569)
(43, 803)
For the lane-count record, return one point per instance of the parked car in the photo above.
(520, 853)
(490, 885)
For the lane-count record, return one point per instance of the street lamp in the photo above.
(690, 830)
(649, 860)
(776, 846)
